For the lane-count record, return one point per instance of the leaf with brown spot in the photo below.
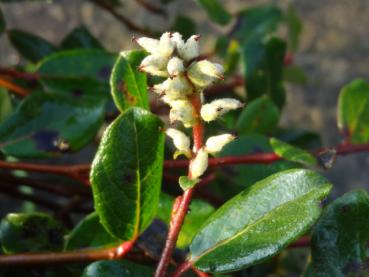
(128, 85)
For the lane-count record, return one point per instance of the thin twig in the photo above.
(11, 72)
(152, 8)
(13, 88)
(81, 171)
(32, 259)
(130, 25)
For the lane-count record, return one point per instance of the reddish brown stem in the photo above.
(182, 269)
(10, 72)
(151, 7)
(32, 259)
(301, 242)
(181, 204)
(78, 172)
(13, 88)
(130, 25)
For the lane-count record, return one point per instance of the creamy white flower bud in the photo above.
(174, 89)
(216, 108)
(181, 110)
(177, 40)
(154, 65)
(199, 164)
(180, 140)
(204, 73)
(190, 49)
(149, 44)
(166, 45)
(216, 143)
(175, 67)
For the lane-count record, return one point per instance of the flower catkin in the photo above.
(216, 143)
(218, 107)
(180, 140)
(199, 164)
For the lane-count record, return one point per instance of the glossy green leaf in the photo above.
(256, 22)
(294, 74)
(199, 211)
(80, 37)
(339, 239)
(30, 46)
(241, 176)
(184, 25)
(215, 11)
(263, 62)
(89, 233)
(46, 124)
(259, 116)
(353, 111)
(294, 25)
(259, 222)
(33, 232)
(2, 22)
(5, 104)
(126, 173)
(82, 72)
(292, 153)
(128, 85)
(116, 268)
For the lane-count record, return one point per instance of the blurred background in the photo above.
(334, 49)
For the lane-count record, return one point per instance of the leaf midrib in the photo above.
(262, 218)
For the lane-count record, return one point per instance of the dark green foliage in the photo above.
(340, 238)
(116, 268)
(245, 231)
(30, 46)
(80, 37)
(126, 183)
(33, 232)
(40, 125)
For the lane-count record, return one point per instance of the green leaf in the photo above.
(186, 183)
(33, 232)
(89, 233)
(353, 111)
(199, 211)
(263, 62)
(241, 176)
(232, 57)
(184, 25)
(2, 22)
(292, 153)
(80, 37)
(46, 124)
(299, 137)
(116, 268)
(294, 74)
(259, 222)
(128, 85)
(339, 239)
(257, 22)
(215, 11)
(260, 116)
(30, 46)
(5, 104)
(83, 72)
(126, 173)
(294, 25)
